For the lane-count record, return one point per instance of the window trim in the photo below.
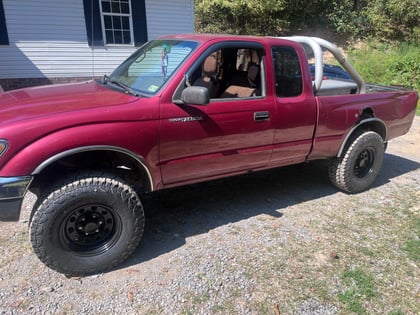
(4, 36)
(130, 19)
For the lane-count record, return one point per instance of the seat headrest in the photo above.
(255, 58)
(210, 64)
(253, 71)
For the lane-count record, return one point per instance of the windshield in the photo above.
(147, 70)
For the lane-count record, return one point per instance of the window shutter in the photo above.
(138, 8)
(4, 37)
(93, 22)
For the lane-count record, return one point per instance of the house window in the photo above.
(111, 22)
(116, 22)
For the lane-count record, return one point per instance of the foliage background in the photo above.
(381, 37)
(385, 19)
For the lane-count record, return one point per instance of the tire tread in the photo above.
(341, 171)
(45, 209)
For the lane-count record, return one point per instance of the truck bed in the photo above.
(343, 87)
(376, 88)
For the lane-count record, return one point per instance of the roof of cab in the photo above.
(202, 38)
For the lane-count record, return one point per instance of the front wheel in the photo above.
(360, 166)
(86, 225)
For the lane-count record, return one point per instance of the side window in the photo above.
(242, 73)
(231, 72)
(288, 75)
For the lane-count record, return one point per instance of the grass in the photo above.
(412, 246)
(360, 287)
(390, 64)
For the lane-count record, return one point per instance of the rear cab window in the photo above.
(287, 71)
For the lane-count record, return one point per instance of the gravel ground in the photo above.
(276, 242)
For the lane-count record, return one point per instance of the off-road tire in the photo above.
(360, 164)
(87, 224)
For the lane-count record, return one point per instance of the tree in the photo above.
(386, 19)
(393, 19)
(241, 17)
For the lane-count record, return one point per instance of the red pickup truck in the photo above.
(181, 109)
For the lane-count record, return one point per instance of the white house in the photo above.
(47, 41)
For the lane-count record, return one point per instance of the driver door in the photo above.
(230, 135)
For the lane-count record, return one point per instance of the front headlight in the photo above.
(3, 146)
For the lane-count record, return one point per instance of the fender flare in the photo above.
(380, 128)
(73, 151)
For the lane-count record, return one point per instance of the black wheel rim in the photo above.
(364, 162)
(90, 229)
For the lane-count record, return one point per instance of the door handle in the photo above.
(261, 116)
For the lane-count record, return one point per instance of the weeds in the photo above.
(412, 246)
(360, 287)
(388, 64)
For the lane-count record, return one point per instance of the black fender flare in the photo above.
(373, 124)
(56, 157)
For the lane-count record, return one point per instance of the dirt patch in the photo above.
(282, 241)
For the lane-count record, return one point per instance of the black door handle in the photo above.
(261, 116)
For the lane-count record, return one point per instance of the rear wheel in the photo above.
(360, 166)
(87, 225)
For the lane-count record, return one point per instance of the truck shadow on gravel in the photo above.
(394, 166)
(173, 215)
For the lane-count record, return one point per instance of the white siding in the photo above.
(48, 37)
(45, 20)
(58, 59)
(169, 17)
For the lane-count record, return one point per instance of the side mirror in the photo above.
(195, 95)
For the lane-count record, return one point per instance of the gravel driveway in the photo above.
(275, 242)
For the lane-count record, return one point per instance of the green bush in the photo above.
(383, 19)
(388, 64)
(241, 17)
(393, 19)
(258, 17)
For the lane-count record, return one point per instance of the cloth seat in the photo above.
(209, 76)
(244, 91)
(238, 91)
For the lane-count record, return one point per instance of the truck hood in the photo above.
(52, 99)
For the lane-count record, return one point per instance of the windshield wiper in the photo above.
(106, 79)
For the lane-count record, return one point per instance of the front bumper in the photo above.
(12, 191)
